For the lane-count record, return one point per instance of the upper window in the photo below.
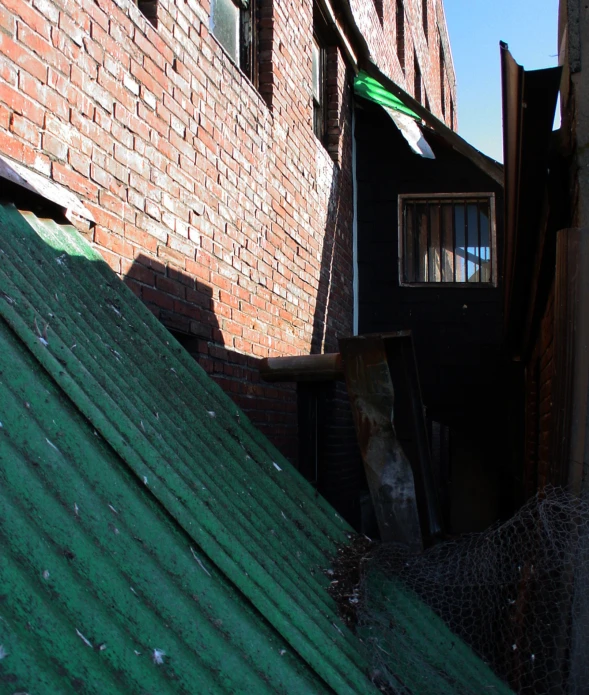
(424, 17)
(442, 80)
(325, 80)
(319, 90)
(149, 9)
(233, 24)
(447, 238)
(400, 21)
(416, 79)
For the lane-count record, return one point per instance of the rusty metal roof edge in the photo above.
(36, 183)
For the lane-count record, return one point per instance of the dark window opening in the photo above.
(447, 239)
(442, 80)
(324, 84)
(401, 33)
(234, 25)
(416, 80)
(452, 124)
(148, 8)
(378, 6)
(311, 422)
(319, 90)
(424, 18)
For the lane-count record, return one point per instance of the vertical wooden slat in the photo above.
(571, 359)
(408, 247)
(423, 243)
(435, 272)
(448, 243)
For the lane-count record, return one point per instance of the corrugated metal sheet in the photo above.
(369, 88)
(139, 509)
(416, 652)
(151, 540)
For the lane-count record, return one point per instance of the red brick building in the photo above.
(213, 144)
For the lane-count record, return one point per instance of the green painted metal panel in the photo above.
(367, 87)
(122, 576)
(133, 424)
(152, 540)
(417, 648)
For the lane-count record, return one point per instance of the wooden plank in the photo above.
(571, 357)
(327, 367)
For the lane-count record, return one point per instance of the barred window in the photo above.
(447, 238)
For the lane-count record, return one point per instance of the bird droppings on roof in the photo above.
(225, 610)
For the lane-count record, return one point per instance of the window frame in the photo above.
(246, 59)
(400, 33)
(320, 108)
(457, 198)
(326, 40)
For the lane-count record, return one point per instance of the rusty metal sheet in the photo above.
(381, 377)
(529, 103)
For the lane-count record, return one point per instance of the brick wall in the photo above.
(214, 201)
(377, 20)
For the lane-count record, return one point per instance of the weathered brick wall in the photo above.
(377, 20)
(230, 220)
(214, 201)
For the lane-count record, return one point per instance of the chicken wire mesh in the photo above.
(516, 596)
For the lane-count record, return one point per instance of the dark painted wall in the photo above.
(457, 331)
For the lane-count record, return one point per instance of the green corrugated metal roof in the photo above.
(367, 87)
(140, 509)
(143, 519)
(415, 650)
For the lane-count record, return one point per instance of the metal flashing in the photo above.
(34, 182)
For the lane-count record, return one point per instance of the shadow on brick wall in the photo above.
(334, 303)
(339, 469)
(185, 306)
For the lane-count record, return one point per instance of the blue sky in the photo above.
(476, 27)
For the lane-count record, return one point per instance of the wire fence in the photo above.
(517, 595)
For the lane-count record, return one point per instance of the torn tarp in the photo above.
(411, 132)
(402, 116)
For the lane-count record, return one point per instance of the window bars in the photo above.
(447, 238)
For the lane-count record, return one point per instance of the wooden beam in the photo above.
(327, 367)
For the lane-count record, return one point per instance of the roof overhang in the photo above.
(489, 166)
(363, 61)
